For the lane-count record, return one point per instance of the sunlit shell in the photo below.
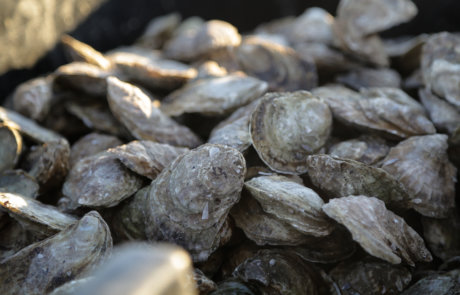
(421, 164)
(91, 144)
(291, 202)
(370, 77)
(343, 177)
(441, 67)
(10, 147)
(72, 253)
(366, 149)
(214, 96)
(287, 127)
(278, 65)
(136, 111)
(387, 111)
(159, 30)
(100, 181)
(33, 98)
(367, 276)
(379, 231)
(43, 220)
(19, 182)
(189, 201)
(81, 52)
(145, 157)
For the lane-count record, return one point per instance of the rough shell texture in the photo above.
(264, 228)
(189, 201)
(100, 181)
(442, 236)
(388, 111)
(214, 96)
(10, 147)
(280, 66)
(370, 77)
(145, 157)
(441, 67)
(379, 231)
(79, 51)
(370, 277)
(292, 203)
(436, 284)
(421, 164)
(91, 144)
(70, 254)
(234, 131)
(35, 216)
(366, 149)
(135, 110)
(287, 127)
(19, 182)
(33, 98)
(343, 177)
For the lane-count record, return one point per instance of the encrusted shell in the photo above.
(135, 110)
(10, 147)
(379, 231)
(366, 149)
(278, 65)
(287, 127)
(421, 164)
(72, 253)
(343, 177)
(214, 96)
(189, 201)
(291, 202)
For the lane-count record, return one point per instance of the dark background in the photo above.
(120, 22)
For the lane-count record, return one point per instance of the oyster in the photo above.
(70, 254)
(159, 30)
(91, 144)
(367, 276)
(313, 25)
(292, 203)
(214, 96)
(71, 288)
(34, 97)
(19, 182)
(308, 120)
(231, 287)
(81, 52)
(203, 283)
(135, 110)
(343, 177)
(100, 180)
(421, 164)
(441, 67)
(369, 77)
(441, 236)
(10, 147)
(43, 220)
(278, 65)
(145, 157)
(387, 111)
(436, 284)
(379, 231)
(366, 149)
(189, 201)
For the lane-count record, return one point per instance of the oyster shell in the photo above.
(231, 287)
(71, 288)
(189, 201)
(367, 276)
(100, 181)
(308, 120)
(441, 67)
(343, 177)
(43, 220)
(159, 30)
(72, 253)
(145, 157)
(19, 182)
(91, 144)
(214, 96)
(10, 147)
(292, 203)
(203, 283)
(366, 149)
(421, 164)
(313, 25)
(33, 98)
(441, 236)
(81, 52)
(436, 284)
(387, 111)
(134, 109)
(379, 231)
(278, 65)
(369, 77)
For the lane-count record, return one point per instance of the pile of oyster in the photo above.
(289, 160)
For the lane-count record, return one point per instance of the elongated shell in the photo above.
(379, 231)
(10, 147)
(287, 127)
(72, 253)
